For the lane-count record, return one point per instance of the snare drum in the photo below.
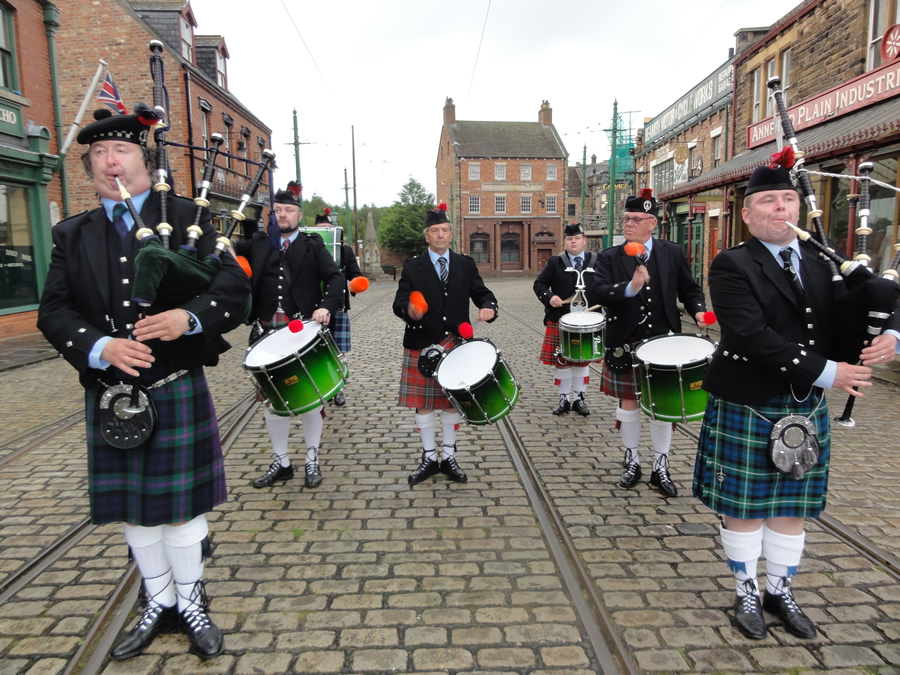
(296, 372)
(581, 336)
(477, 381)
(672, 368)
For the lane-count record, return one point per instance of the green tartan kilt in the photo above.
(733, 474)
(176, 476)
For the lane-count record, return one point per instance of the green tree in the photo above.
(402, 223)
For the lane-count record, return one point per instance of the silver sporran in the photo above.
(793, 446)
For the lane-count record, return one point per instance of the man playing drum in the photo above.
(161, 489)
(640, 294)
(294, 277)
(776, 305)
(441, 283)
(552, 285)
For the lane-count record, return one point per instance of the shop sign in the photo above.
(698, 208)
(10, 120)
(872, 87)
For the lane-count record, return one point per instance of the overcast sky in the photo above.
(385, 67)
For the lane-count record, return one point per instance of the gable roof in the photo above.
(531, 140)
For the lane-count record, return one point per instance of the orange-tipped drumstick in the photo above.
(358, 285)
(417, 300)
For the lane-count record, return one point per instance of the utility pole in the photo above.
(611, 199)
(347, 207)
(296, 149)
(355, 217)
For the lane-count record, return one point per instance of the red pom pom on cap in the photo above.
(295, 326)
(418, 302)
(634, 248)
(442, 206)
(465, 330)
(358, 285)
(646, 193)
(327, 211)
(709, 318)
(786, 158)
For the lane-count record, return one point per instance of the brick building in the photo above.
(505, 183)
(843, 95)
(196, 77)
(29, 189)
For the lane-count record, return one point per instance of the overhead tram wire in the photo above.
(477, 53)
(312, 58)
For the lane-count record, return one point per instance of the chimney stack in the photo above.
(545, 115)
(449, 112)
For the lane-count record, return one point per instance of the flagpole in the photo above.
(84, 104)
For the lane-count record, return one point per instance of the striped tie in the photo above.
(122, 228)
(791, 272)
(445, 273)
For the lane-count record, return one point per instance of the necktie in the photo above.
(791, 272)
(578, 263)
(122, 228)
(445, 273)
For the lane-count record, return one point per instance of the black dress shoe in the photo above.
(276, 472)
(579, 406)
(632, 473)
(313, 474)
(661, 480)
(155, 620)
(339, 399)
(206, 638)
(428, 467)
(785, 608)
(748, 617)
(451, 469)
(563, 407)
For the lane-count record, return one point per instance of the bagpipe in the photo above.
(863, 300)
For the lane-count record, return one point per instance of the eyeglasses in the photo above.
(634, 219)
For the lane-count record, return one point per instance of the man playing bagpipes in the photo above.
(764, 449)
(162, 488)
(294, 277)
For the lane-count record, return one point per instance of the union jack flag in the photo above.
(109, 95)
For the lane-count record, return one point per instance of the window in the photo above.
(570, 211)
(499, 171)
(756, 86)
(228, 120)
(717, 150)
(551, 204)
(692, 161)
(500, 204)
(8, 74)
(474, 172)
(525, 204)
(551, 172)
(770, 102)
(187, 40)
(18, 283)
(525, 172)
(882, 15)
(480, 248)
(204, 127)
(509, 247)
(221, 77)
(474, 205)
(785, 74)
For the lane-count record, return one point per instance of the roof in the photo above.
(863, 129)
(531, 140)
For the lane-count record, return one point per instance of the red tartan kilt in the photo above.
(418, 391)
(619, 385)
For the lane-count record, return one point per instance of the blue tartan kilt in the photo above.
(734, 445)
(342, 331)
(174, 477)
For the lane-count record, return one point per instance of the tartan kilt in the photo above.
(549, 355)
(174, 477)
(735, 441)
(418, 391)
(619, 385)
(342, 331)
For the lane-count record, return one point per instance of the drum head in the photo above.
(276, 346)
(466, 365)
(675, 350)
(582, 322)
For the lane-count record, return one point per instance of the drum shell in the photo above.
(584, 341)
(488, 399)
(301, 380)
(673, 392)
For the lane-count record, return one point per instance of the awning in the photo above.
(867, 128)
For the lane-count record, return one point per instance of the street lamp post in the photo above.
(360, 243)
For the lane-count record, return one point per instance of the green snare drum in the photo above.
(478, 382)
(581, 336)
(672, 368)
(296, 372)
(334, 240)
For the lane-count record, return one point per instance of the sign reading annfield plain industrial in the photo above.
(872, 87)
(709, 92)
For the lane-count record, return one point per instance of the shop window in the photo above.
(8, 74)
(510, 247)
(480, 248)
(881, 217)
(18, 279)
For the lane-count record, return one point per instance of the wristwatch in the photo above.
(192, 322)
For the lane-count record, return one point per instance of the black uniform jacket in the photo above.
(75, 307)
(614, 272)
(446, 308)
(554, 280)
(770, 340)
(313, 278)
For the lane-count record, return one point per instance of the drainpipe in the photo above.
(51, 25)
